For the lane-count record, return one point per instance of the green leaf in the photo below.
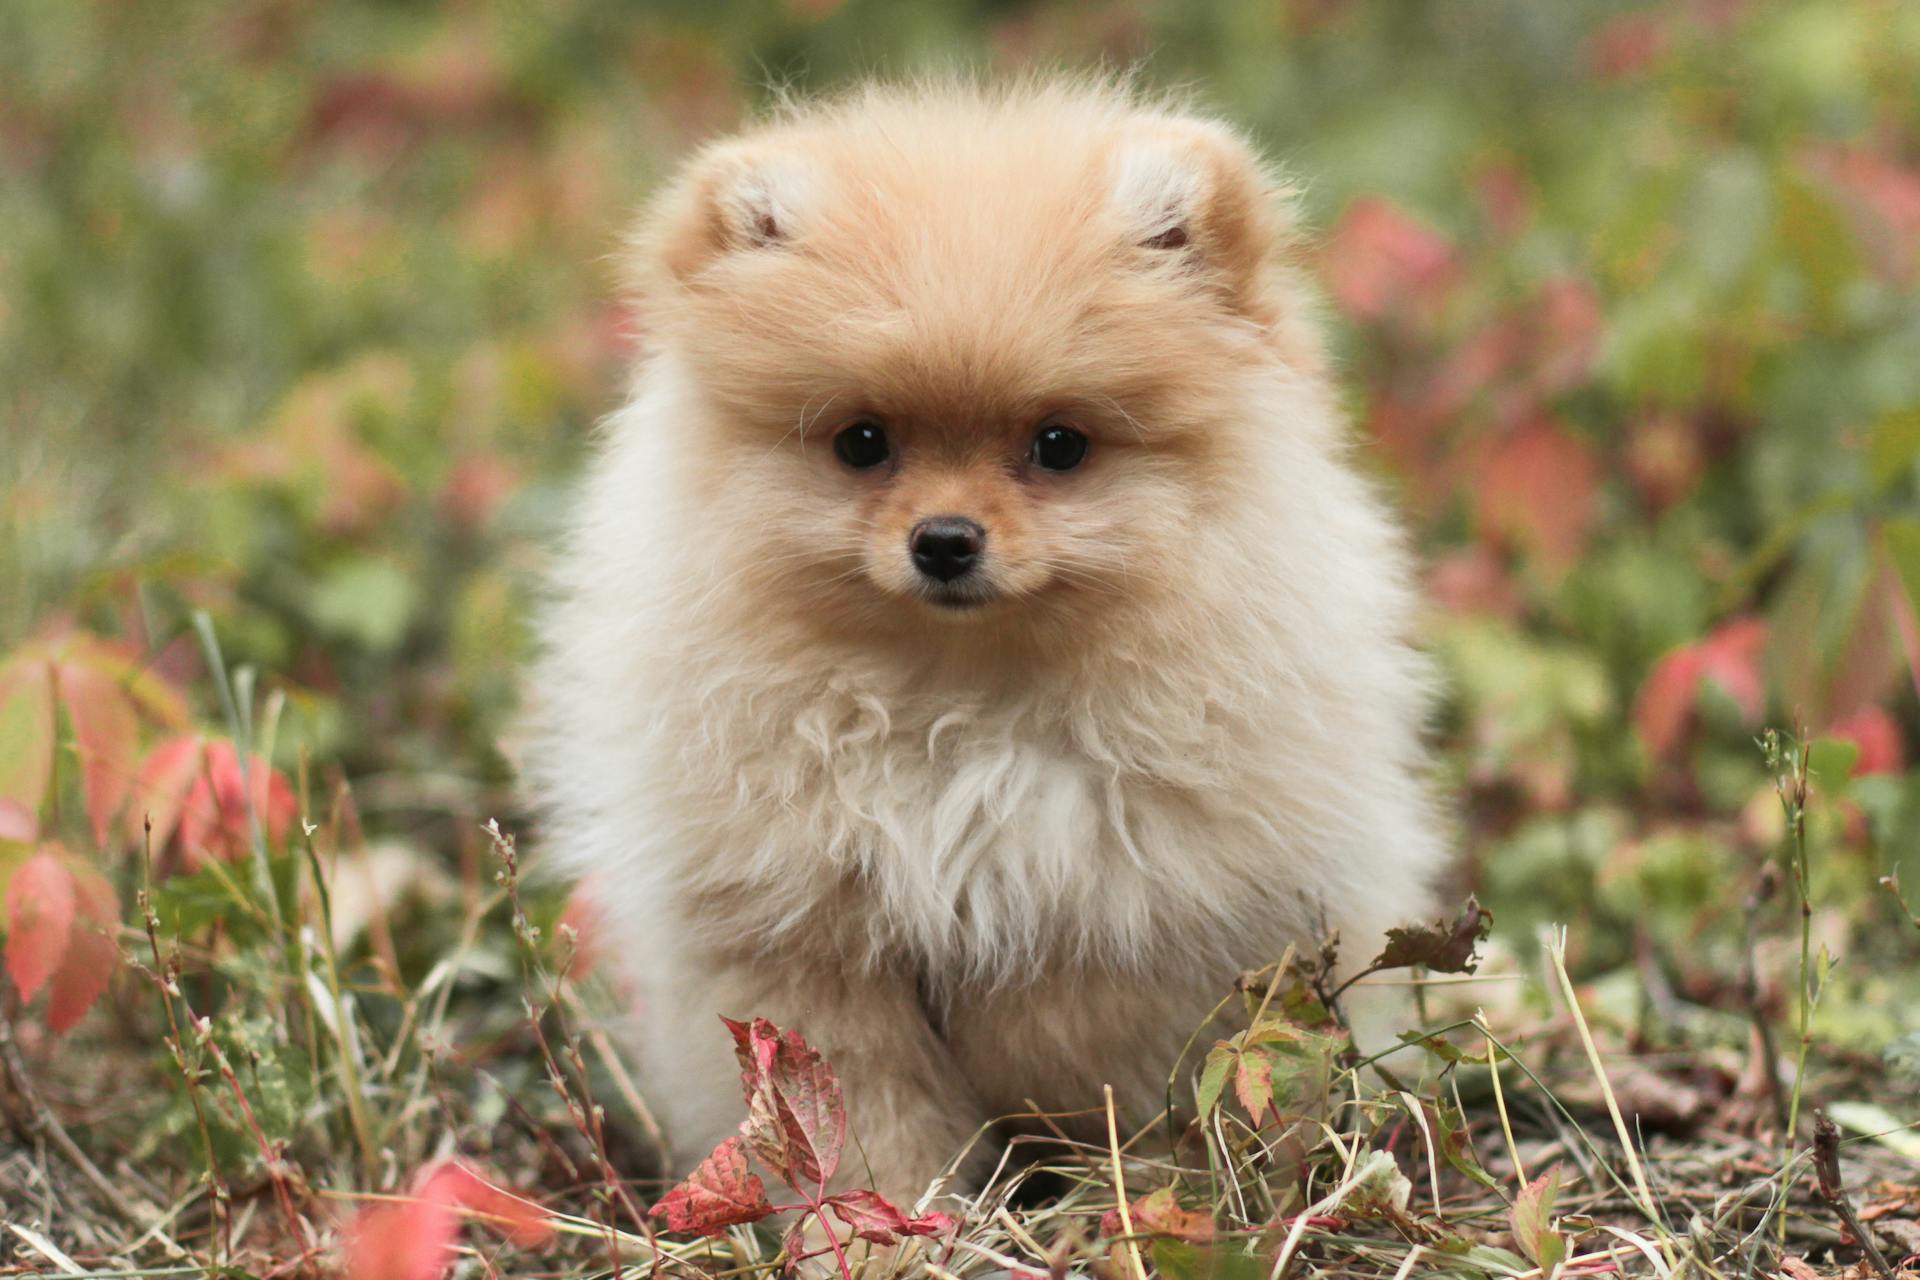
(1831, 761)
(187, 904)
(1447, 1051)
(1532, 1219)
(26, 733)
(1457, 1146)
(1903, 1057)
(368, 601)
(1892, 446)
(1178, 1260)
(1213, 1078)
(1902, 540)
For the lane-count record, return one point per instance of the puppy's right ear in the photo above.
(735, 198)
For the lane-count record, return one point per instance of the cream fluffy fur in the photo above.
(1012, 852)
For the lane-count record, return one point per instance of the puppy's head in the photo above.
(962, 355)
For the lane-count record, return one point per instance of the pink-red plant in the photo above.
(796, 1126)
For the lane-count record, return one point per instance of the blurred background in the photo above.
(307, 312)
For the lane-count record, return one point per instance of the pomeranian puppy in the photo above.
(974, 644)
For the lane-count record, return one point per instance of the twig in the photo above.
(1764, 888)
(1826, 1168)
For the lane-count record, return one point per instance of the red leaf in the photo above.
(160, 788)
(1379, 259)
(1564, 323)
(407, 1241)
(719, 1194)
(1538, 492)
(520, 1220)
(1664, 707)
(106, 731)
(1474, 581)
(213, 820)
(475, 489)
(873, 1217)
(1731, 656)
(91, 952)
(1882, 201)
(1253, 1083)
(796, 1122)
(26, 733)
(1628, 45)
(17, 822)
(152, 694)
(1159, 1213)
(1877, 735)
(40, 905)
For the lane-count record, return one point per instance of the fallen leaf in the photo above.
(519, 1219)
(414, 1239)
(1441, 947)
(406, 1241)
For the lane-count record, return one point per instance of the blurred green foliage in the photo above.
(306, 313)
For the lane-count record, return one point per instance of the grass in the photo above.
(306, 1086)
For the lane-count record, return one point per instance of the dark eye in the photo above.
(1059, 448)
(862, 444)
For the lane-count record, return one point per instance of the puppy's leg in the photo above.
(1060, 1041)
(909, 1111)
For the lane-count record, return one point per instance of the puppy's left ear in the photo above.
(1189, 187)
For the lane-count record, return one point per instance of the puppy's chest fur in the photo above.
(974, 838)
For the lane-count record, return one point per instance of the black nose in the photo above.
(946, 547)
